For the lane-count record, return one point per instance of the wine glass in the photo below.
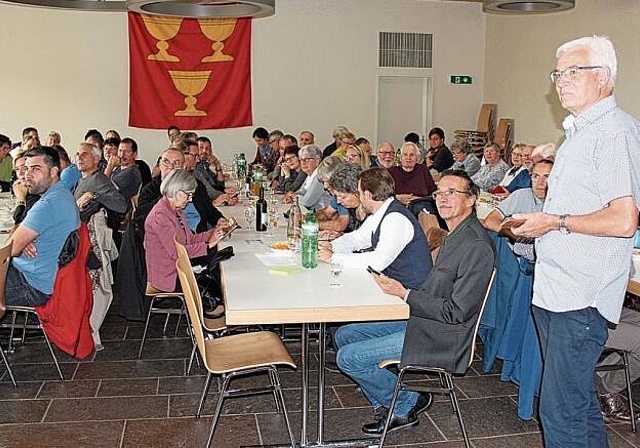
(273, 211)
(335, 267)
(250, 215)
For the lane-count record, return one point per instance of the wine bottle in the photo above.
(262, 217)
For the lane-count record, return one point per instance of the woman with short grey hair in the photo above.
(166, 222)
(344, 186)
(464, 158)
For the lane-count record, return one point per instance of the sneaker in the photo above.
(614, 409)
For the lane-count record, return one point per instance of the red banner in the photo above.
(192, 73)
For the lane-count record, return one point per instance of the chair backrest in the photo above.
(5, 259)
(487, 119)
(504, 136)
(482, 307)
(191, 296)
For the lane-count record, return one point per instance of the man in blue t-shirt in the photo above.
(38, 240)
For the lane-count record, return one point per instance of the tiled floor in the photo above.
(114, 400)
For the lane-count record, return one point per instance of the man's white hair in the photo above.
(601, 52)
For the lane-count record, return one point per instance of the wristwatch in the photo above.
(562, 227)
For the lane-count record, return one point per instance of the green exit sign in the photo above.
(461, 79)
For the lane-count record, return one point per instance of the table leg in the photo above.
(304, 340)
(321, 356)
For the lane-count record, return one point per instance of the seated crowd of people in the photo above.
(369, 206)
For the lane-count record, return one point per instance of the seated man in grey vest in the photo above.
(443, 311)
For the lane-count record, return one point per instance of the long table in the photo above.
(254, 295)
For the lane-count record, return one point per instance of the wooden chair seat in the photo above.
(246, 351)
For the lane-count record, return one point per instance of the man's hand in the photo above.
(325, 251)
(390, 286)
(84, 200)
(29, 250)
(20, 190)
(221, 200)
(535, 224)
(406, 198)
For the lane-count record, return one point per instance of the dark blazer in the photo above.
(444, 311)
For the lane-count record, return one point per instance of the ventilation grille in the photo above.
(409, 50)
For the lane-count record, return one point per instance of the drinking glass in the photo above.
(273, 211)
(335, 268)
(250, 215)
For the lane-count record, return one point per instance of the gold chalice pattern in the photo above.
(163, 29)
(217, 30)
(190, 84)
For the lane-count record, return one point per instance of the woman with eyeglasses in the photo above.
(356, 156)
(167, 221)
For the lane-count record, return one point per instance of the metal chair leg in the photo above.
(273, 380)
(53, 355)
(205, 391)
(6, 363)
(273, 371)
(216, 414)
(146, 328)
(392, 406)
(627, 378)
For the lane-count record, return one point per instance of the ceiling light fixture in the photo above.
(180, 8)
(527, 7)
(204, 8)
(78, 5)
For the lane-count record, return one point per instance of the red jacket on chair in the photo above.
(65, 317)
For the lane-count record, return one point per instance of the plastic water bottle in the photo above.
(310, 229)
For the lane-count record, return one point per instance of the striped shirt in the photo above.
(598, 162)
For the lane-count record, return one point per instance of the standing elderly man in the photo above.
(584, 240)
(442, 316)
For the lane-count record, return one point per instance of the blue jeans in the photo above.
(571, 343)
(18, 292)
(361, 347)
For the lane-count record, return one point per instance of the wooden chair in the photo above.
(5, 259)
(622, 364)
(485, 130)
(447, 385)
(504, 136)
(156, 295)
(233, 356)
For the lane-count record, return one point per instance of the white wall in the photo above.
(314, 67)
(520, 53)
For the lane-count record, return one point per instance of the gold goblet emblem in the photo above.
(163, 29)
(190, 84)
(217, 30)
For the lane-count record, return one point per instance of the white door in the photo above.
(404, 105)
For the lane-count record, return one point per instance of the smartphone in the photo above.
(372, 271)
(233, 227)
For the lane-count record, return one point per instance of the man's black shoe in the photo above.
(397, 422)
(425, 400)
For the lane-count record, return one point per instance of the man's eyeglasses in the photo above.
(385, 153)
(306, 159)
(171, 164)
(448, 193)
(188, 194)
(570, 72)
